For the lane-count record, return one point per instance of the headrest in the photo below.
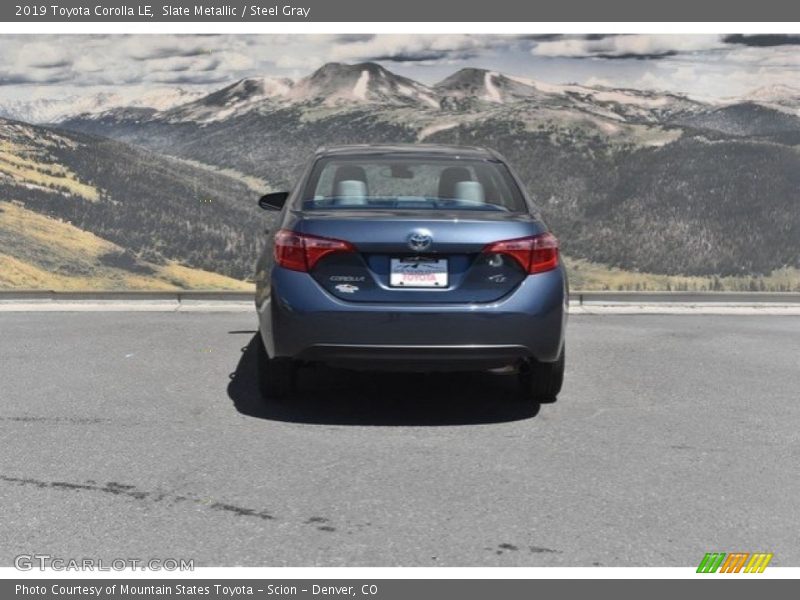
(349, 172)
(448, 179)
(350, 192)
(469, 190)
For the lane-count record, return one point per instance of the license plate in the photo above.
(418, 272)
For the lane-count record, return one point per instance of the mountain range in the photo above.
(54, 109)
(634, 179)
(371, 84)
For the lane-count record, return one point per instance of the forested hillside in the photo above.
(155, 208)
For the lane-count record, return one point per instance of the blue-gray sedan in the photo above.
(416, 258)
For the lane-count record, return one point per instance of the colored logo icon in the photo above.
(734, 562)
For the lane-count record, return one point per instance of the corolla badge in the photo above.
(420, 240)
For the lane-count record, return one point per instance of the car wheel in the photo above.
(275, 376)
(542, 381)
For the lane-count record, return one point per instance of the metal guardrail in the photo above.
(609, 297)
(178, 296)
(576, 297)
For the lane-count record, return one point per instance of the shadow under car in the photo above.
(325, 395)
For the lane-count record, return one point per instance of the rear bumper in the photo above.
(414, 358)
(299, 319)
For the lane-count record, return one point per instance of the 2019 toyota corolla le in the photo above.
(417, 258)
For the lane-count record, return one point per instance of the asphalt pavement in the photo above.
(142, 435)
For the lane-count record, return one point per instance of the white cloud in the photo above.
(410, 47)
(419, 48)
(777, 56)
(628, 46)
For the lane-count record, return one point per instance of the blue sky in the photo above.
(707, 66)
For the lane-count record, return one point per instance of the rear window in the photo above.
(411, 183)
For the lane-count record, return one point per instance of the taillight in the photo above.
(535, 254)
(300, 252)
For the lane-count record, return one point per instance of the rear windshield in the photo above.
(411, 183)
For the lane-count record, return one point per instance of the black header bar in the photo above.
(405, 11)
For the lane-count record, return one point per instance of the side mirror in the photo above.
(273, 201)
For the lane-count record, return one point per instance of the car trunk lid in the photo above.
(416, 256)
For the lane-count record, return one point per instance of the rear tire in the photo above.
(275, 376)
(541, 381)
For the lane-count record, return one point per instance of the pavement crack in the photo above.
(316, 520)
(511, 547)
(71, 420)
(241, 512)
(543, 550)
(114, 488)
(506, 547)
(129, 491)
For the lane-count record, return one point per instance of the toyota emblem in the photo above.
(420, 240)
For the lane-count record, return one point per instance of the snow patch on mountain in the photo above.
(624, 97)
(60, 108)
(420, 93)
(361, 86)
(775, 93)
(492, 93)
(428, 131)
(785, 98)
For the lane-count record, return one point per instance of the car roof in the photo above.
(443, 150)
